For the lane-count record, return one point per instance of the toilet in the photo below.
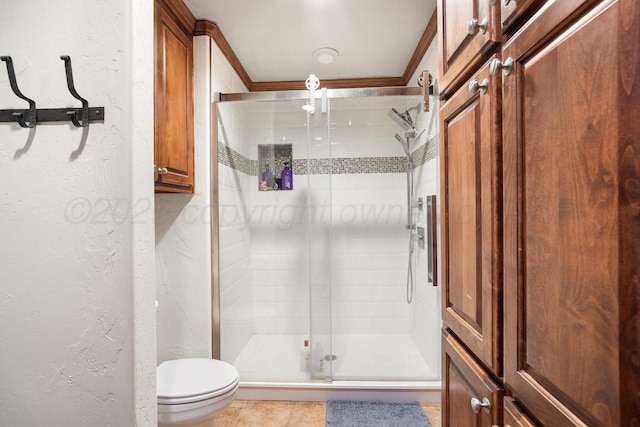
(192, 392)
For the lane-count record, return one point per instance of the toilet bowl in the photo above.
(192, 392)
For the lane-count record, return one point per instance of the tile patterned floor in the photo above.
(249, 413)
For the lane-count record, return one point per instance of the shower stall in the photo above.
(326, 261)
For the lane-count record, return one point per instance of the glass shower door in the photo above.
(319, 220)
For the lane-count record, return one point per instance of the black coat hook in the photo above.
(84, 113)
(25, 118)
(80, 117)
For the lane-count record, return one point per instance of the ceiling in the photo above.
(274, 39)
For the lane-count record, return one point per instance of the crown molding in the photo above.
(208, 28)
(180, 12)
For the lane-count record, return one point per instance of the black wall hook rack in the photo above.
(28, 118)
(25, 118)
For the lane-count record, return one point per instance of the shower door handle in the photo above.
(432, 240)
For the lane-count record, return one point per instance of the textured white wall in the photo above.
(183, 240)
(143, 239)
(75, 220)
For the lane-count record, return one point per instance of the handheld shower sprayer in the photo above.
(406, 122)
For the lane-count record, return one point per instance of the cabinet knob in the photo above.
(475, 85)
(475, 26)
(162, 171)
(477, 405)
(497, 65)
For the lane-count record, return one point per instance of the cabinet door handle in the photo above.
(497, 65)
(477, 405)
(162, 171)
(475, 85)
(475, 26)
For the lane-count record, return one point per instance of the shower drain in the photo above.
(330, 357)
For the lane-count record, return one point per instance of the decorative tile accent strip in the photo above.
(230, 157)
(348, 165)
(426, 152)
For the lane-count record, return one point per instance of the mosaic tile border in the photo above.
(426, 152)
(350, 165)
(230, 157)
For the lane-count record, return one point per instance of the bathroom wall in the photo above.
(233, 185)
(77, 322)
(183, 239)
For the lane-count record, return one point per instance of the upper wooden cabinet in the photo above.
(468, 31)
(173, 103)
(572, 214)
(470, 155)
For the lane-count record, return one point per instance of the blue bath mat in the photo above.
(347, 413)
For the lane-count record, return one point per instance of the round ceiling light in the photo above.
(325, 55)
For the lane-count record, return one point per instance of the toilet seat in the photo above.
(191, 380)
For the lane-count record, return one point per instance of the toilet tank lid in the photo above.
(193, 377)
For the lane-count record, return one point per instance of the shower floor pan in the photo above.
(367, 366)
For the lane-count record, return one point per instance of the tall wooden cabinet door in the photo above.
(470, 396)
(468, 30)
(471, 190)
(571, 216)
(173, 105)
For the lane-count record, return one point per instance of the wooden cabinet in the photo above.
(566, 344)
(513, 415)
(514, 11)
(571, 216)
(473, 397)
(467, 34)
(173, 103)
(470, 156)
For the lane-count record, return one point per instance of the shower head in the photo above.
(403, 119)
